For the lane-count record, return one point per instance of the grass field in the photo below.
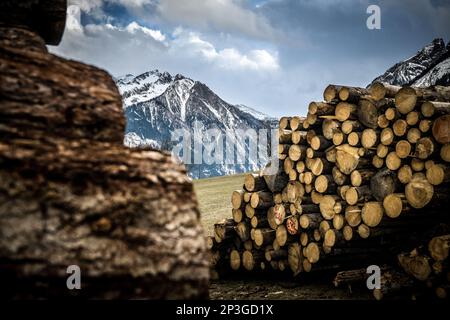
(214, 196)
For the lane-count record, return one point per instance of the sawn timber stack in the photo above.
(364, 176)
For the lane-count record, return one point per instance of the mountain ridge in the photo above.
(157, 104)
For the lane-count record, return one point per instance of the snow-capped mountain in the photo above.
(157, 105)
(429, 66)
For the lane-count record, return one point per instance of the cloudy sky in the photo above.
(273, 55)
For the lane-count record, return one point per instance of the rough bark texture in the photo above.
(70, 193)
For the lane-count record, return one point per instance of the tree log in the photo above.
(441, 129)
(384, 182)
(380, 90)
(71, 193)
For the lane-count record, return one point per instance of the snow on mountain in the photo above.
(143, 87)
(438, 75)
(429, 66)
(157, 105)
(257, 114)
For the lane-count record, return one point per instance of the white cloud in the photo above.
(227, 16)
(140, 48)
(227, 58)
(134, 27)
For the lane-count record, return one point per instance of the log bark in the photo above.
(384, 182)
(71, 193)
(368, 113)
(433, 109)
(406, 98)
(380, 90)
(352, 94)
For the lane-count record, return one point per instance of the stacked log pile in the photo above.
(71, 193)
(363, 176)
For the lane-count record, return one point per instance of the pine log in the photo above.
(369, 138)
(419, 191)
(347, 159)
(382, 121)
(296, 123)
(438, 174)
(360, 177)
(338, 221)
(352, 94)
(235, 260)
(425, 125)
(415, 264)
(325, 184)
(372, 213)
(391, 114)
(445, 152)
(71, 193)
(358, 194)
(377, 162)
(403, 149)
(321, 108)
(368, 113)
(275, 182)
(263, 236)
(284, 136)
(413, 135)
(347, 233)
(284, 123)
(439, 247)
(295, 258)
(237, 199)
(384, 182)
(297, 152)
(406, 97)
(417, 165)
(237, 215)
(394, 204)
(349, 126)
(353, 215)
(338, 138)
(425, 147)
(412, 118)
(254, 182)
(441, 129)
(387, 136)
(298, 136)
(310, 220)
(400, 127)
(320, 143)
(243, 230)
(393, 161)
(252, 259)
(45, 17)
(331, 93)
(329, 127)
(261, 199)
(345, 111)
(380, 90)
(435, 109)
(339, 177)
(326, 206)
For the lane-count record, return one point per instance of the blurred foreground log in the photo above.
(71, 194)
